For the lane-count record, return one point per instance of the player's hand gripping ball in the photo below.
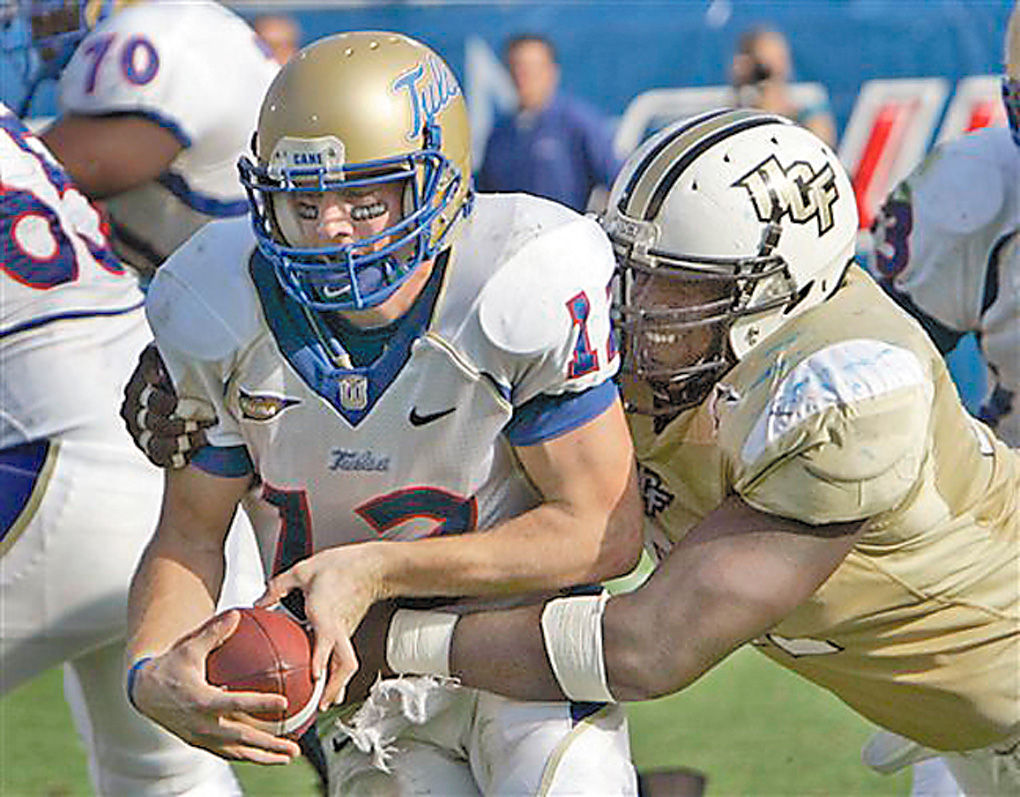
(270, 651)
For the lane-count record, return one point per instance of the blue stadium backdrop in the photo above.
(611, 50)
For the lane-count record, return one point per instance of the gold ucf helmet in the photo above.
(351, 110)
(725, 226)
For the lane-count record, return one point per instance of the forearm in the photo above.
(542, 550)
(172, 593)
(178, 580)
(506, 651)
(503, 652)
(108, 155)
(728, 581)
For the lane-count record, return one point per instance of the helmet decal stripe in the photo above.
(654, 152)
(680, 166)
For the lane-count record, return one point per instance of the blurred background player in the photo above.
(947, 247)
(149, 127)
(281, 33)
(393, 383)
(761, 72)
(554, 145)
(78, 502)
(812, 483)
(155, 132)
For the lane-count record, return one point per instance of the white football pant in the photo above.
(63, 597)
(989, 772)
(416, 736)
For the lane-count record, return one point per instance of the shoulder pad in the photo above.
(202, 302)
(961, 186)
(842, 437)
(550, 261)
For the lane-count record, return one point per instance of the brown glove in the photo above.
(166, 429)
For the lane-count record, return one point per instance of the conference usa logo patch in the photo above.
(797, 191)
(263, 407)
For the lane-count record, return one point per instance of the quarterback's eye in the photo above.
(306, 211)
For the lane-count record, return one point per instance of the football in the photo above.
(270, 651)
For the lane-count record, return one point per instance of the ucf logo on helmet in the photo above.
(797, 191)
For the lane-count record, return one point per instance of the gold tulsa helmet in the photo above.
(352, 110)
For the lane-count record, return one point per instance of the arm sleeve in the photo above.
(547, 417)
(934, 233)
(843, 437)
(224, 461)
(545, 315)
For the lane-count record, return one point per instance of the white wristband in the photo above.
(418, 642)
(572, 631)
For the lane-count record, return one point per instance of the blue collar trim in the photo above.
(303, 340)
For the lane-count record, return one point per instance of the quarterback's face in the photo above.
(335, 218)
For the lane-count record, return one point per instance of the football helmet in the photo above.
(744, 207)
(54, 30)
(353, 110)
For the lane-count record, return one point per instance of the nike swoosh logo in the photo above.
(421, 420)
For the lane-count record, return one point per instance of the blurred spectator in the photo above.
(761, 73)
(281, 33)
(555, 145)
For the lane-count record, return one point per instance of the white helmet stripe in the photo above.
(652, 155)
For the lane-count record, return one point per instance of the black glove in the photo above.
(167, 430)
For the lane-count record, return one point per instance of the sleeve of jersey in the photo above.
(843, 436)
(136, 65)
(545, 316)
(184, 324)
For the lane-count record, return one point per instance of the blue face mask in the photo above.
(355, 275)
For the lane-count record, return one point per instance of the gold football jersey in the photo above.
(848, 412)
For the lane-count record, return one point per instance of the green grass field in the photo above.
(753, 728)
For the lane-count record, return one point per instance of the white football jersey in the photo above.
(949, 240)
(56, 269)
(196, 69)
(418, 442)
